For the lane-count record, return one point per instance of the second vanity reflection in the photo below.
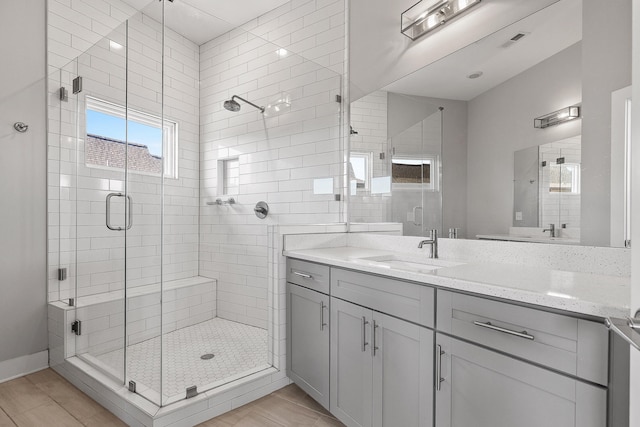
(546, 194)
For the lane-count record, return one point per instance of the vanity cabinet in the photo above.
(383, 358)
(308, 330)
(381, 368)
(482, 388)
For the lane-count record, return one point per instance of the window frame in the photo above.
(169, 133)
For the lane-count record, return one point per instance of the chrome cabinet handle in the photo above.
(322, 307)
(439, 378)
(306, 276)
(108, 212)
(364, 333)
(488, 325)
(374, 347)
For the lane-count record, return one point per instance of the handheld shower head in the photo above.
(234, 106)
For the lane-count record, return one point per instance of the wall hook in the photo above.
(21, 127)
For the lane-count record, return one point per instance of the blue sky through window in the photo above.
(109, 126)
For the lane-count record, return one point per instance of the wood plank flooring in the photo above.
(46, 399)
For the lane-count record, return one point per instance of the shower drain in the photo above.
(207, 356)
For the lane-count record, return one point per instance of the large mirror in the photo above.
(467, 129)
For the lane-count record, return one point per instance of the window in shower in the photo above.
(106, 141)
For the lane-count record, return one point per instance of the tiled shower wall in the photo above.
(73, 26)
(280, 154)
(100, 251)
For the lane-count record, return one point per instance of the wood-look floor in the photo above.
(46, 399)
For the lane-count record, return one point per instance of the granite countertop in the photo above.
(588, 294)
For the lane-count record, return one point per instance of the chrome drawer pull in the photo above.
(306, 276)
(488, 325)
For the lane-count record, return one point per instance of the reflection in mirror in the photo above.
(552, 54)
(395, 162)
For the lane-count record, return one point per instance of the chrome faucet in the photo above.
(433, 242)
(551, 230)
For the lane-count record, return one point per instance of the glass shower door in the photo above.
(102, 206)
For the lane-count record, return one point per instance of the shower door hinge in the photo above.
(63, 94)
(77, 85)
(192, 391)
(76, 327)
(62, 274)
(338, 99)
(560, 160)
(132, 386)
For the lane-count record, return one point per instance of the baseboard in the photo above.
(23, 365)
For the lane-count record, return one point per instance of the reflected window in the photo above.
(112, 130)
(360, 169)
(412, 171)
(564, 178)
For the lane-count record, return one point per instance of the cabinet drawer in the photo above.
(575, 346)
(409, 301)
(308, 274)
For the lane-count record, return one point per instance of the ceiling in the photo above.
(380, 54)
(547, 32)
(204, 20)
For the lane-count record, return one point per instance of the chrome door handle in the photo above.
(488, 325)
(374, 347)
(364, 333)
(306, 276)
(322, 307)
(414, 216)
(439, 378)
(108, 212)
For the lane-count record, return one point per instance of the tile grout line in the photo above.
(53, 399)
(9, 416)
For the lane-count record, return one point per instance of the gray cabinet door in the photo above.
(482, 388)
(351, 363)
(308, 341)
(402, 373)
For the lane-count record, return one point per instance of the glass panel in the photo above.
(570, 189)
(146, 162)
(101, 206)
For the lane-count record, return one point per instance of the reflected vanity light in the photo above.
(427, 15)
(561, 116)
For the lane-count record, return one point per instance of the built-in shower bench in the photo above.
(183, 303)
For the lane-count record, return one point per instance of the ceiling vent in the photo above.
(516, 38)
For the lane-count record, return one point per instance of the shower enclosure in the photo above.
(156, 256)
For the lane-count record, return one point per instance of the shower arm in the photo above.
(248, 102)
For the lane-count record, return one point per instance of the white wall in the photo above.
(280, 154)
(606, 67)
(492, 140)
(23, 314)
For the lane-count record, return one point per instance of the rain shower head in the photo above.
(234, 106)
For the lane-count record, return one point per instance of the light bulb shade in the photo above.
(561, 116)
(427, 15)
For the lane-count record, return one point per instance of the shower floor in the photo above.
(239, 350)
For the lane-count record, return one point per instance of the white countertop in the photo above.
(588, 294)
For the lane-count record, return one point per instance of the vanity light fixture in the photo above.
(427, 15)
(557, 117)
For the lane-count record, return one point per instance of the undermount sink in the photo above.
(410, 263)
